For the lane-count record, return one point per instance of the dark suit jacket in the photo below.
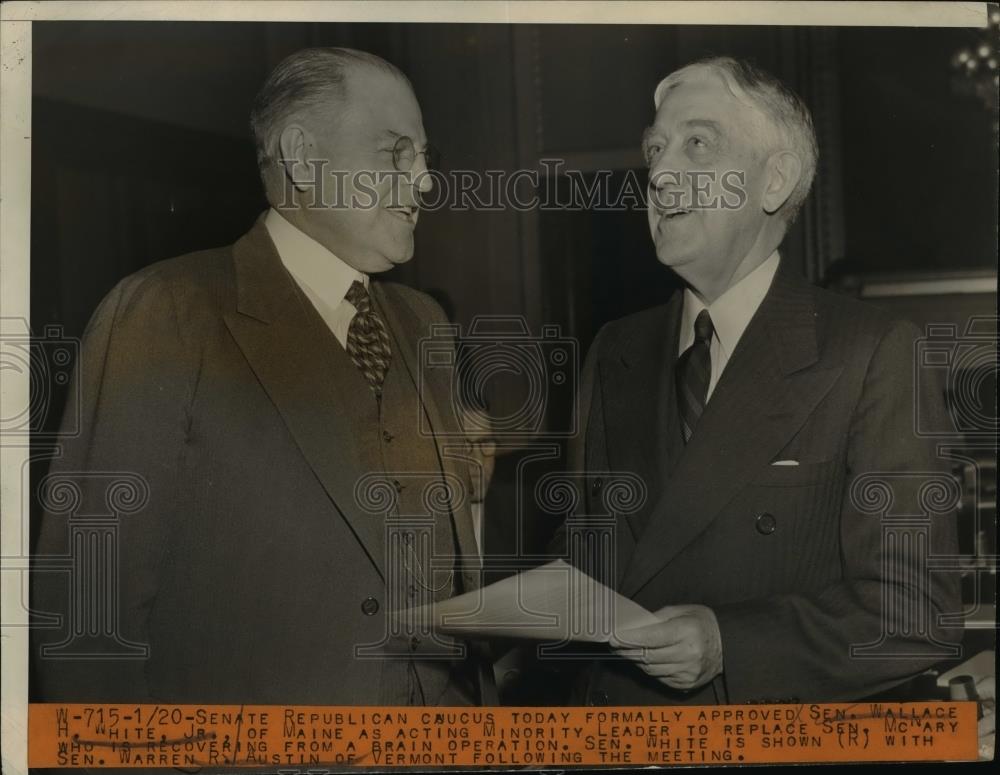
(251, 573)
(797, 568)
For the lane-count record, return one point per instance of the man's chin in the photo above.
(389, 254)
(670, 256)
(402, 260)
(397, 258)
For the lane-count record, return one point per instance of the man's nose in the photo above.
(420, 176)
(666, 171)
(666, 188)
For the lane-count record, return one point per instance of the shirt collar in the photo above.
(732, 311)
(311, 264)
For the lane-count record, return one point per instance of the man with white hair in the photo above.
(269, 394)
(751, 404)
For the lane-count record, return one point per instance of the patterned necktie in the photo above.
(694, 371)
(368, 338)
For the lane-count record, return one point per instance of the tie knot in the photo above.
(703, 328)
(358, 296)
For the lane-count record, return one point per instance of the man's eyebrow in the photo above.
(703, 122)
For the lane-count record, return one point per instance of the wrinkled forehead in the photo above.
(703, 92)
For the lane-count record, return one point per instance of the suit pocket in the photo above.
(795, 476)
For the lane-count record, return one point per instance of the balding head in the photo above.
(310, 82)
(342, 152)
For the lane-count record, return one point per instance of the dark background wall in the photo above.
(141, 151)
(919, 159)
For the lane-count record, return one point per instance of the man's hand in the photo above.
(683, 650)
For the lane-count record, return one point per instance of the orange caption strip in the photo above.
(339, 737)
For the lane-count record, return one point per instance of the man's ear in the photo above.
(784, 169)
(294, 143)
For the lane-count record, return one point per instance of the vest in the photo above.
(405, 487)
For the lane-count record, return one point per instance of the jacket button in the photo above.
(397, 485)
(766, 524)
(596, 486)
(369, 606)
(387, 437)
(414, 643)
(598, 698)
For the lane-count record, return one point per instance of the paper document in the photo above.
(554, 602)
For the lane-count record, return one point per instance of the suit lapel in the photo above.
(301, 367)
(764, 396)
(638, 377)
(407, 329)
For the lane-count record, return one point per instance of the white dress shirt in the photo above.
(730, 313)
(322, 276)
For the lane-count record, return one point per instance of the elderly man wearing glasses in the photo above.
(269, 394)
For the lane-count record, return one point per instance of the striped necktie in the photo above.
(694, 371)
(368, 338)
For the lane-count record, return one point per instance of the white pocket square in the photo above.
(785, 463)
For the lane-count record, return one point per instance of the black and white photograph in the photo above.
(486, 357)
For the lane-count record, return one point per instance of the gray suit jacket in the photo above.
(252, 574)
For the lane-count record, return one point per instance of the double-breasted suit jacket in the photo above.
(813, 601)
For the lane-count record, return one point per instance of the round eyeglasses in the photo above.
(404, 155)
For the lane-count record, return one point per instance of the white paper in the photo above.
(554, 602)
